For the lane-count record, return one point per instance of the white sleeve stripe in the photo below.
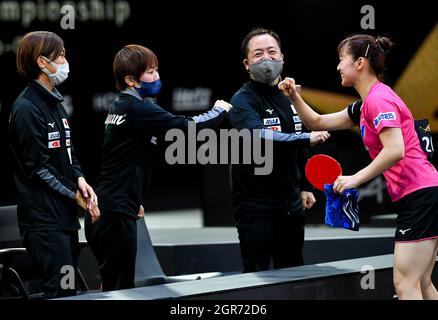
(284, 137)
(213, 113)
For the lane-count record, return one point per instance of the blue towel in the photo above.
(342, 210)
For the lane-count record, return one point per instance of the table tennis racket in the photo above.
(322, 169)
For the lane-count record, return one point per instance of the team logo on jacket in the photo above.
(54, 144)
(54, 135)
(65, 123)
(270, 111)
(387, 116)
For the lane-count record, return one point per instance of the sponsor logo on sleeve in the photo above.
(54, 135)
(293, 109)
(271, 121)
(275, 128)
(54, 144)
(298, 126)
(384, 116)
(67, 134)
(69, 154)
(67, 142)
(65, 123)
(297, 119)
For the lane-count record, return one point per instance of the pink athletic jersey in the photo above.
(383, 108)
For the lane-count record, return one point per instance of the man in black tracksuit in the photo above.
(133, 127)
(269, 209)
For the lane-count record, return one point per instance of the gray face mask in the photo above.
(266, 71)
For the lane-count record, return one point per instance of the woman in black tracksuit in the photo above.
(47, 174)
(131, 131)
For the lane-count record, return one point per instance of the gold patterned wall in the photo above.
(418, 84)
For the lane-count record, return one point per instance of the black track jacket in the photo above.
(259, 106)
(46, 168)
(132, 128)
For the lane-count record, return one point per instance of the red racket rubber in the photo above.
(322, 169)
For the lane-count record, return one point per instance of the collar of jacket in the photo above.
(264, 87)
(51, 98)
(132, 92)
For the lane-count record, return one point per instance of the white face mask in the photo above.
(61, 74)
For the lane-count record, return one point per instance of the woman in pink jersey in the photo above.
(388, 133)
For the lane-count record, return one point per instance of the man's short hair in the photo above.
(256, 32)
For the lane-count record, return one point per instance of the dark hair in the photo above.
(256, 32)
(373, 49)
(132, 60)
(33, 45)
